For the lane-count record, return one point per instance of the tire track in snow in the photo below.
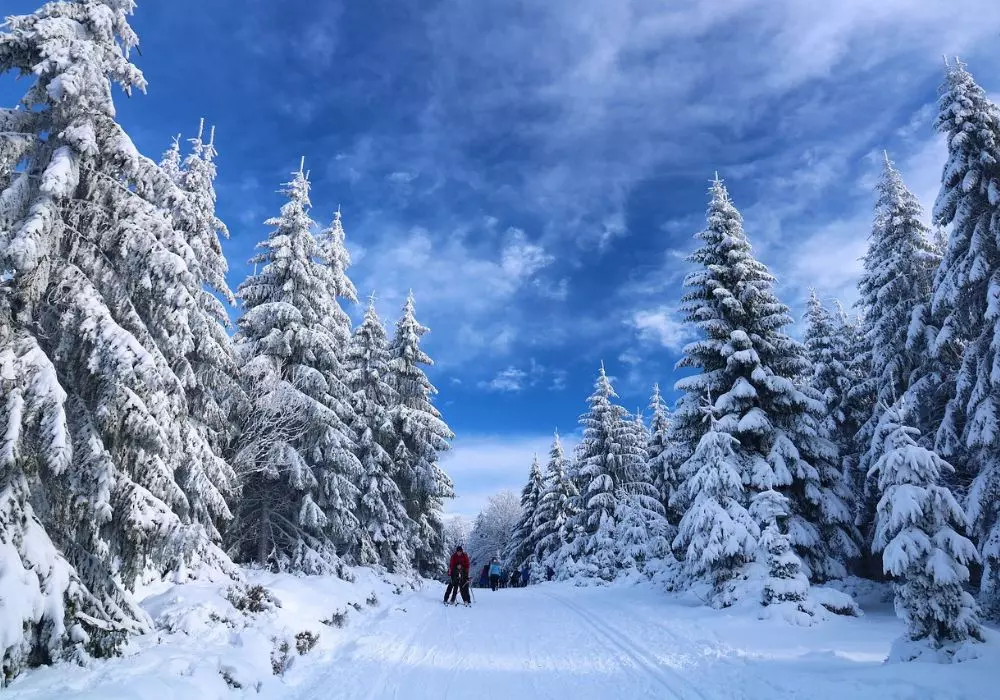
(640, 657)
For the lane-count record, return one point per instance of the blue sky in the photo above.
(535, 171)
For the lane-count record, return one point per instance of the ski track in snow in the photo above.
(618, 643)
(511, 643)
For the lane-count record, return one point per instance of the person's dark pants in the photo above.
(494, 582)
(458, 583)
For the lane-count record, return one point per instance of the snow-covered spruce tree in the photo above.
(785, 582)
(611, 466)
(895, 291)
(658, 451)
(828, 339)
(422, 435)
(556, 507)
(642, 533)
(333, 252)
(98, 279)
(56, 614)
(918, 529)
(966, 293)
(716, 537)
(754, 372)
(521, 547)
(340, 488)
(599, 463)
(854, 407)
(285, 347)
(214, 394)
(385, 526)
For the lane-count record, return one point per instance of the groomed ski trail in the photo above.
(513, 643)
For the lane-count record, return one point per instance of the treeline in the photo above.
(872, 448)
(138, 438)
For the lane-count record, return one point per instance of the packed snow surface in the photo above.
(547, 641)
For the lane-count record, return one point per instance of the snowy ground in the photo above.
(545, 641)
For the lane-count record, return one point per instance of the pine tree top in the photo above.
(971, 124)
(335, 254)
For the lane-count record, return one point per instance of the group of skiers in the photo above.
(492, 575)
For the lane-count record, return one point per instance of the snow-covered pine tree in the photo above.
(832, 377)
(521, 548)
(58, 616)
(608, 457)
(422, 435)
(333, 251)
(99, 289)
(303, 506)
(385, 525)
(966, 294)
(642, 533)
(753, 370)
(785, 582)
(658, 451)
(556, 507)
(213, 390)
(339, 483)
(895, 291)
(717, 537)
(854, 407)
(919, 527)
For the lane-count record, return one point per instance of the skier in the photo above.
(514, 576)
(494, 574)
(484, 576)
(458, 570)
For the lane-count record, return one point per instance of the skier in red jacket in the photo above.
(458, 571)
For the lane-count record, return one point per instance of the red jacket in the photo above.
(458, 559)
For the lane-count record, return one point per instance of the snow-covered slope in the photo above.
(545, 641)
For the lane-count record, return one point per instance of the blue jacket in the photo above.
(494, 569)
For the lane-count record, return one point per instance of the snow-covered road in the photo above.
(545, 642)
(552, 642)
(523, 643)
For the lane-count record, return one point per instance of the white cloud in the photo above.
(401, 177)
(511, 379)
(629, 357)
(482, 465)
(662, 326)
(559, 378)
(520, 258)
(626, 88)
(465, 289)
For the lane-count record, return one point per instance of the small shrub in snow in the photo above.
(227, 676)
(837, 602)
(356, 605)
(255, 599)
(397, 590)
(222, 620)
(372, 600)
(281, 660)
(337, 619)
(305, 641)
